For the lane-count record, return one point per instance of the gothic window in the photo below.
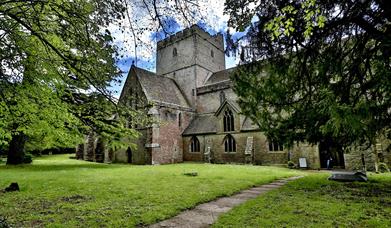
(194, 144)
(131, 97)
(174, 52)
(222, 97)
(275, 145)
(228, 121)
(136, 101)
(229, 144)
(212, 54)
(180, 120)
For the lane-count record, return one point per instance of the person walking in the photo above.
(329, 162)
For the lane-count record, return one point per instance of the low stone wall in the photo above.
(353, 161)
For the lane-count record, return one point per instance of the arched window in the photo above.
(275, 145)
(194, 144)
(229, 144)
(136, 100)
(180, 119)
(228, 121)
(174, 52)
(222, 97)
(131, 97)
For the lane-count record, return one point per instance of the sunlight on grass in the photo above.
(61, 192)
(313, 201)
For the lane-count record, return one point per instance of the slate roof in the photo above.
(202, 124)
(233, 104)
(160, 89)
(220, 76)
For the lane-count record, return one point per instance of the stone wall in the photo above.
(261, 153)
(167, 138)
(193, 46)
(383, 154)
(308, 151)
(140, 154)
(185, 78)
(208, 101)
(197, 56)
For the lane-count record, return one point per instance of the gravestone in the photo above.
(207, 155)
(303, 163)
(249, 146)
(249, 150)
(346, 176)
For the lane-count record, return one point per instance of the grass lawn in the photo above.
(61, 192)
(313, 201)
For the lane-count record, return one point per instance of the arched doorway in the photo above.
(129, 154)
(328, 149)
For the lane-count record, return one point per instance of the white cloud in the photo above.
(214, 11)
(211, 13)
(142, 26)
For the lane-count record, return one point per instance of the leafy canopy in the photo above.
(58, 60)
(325, 68)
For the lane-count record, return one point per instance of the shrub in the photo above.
(383, 168)
(291, 165)
(28, 158)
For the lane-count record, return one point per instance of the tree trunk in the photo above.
(100, 150)
(16, 149)
(376, 156)
(90, 147)
(80, 151)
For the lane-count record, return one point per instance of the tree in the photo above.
(325, 69)
(57, 61)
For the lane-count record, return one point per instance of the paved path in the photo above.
(206, 214)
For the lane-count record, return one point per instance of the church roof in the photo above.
(160, 89)
(228, 102)
(202, 124)
(220, 76)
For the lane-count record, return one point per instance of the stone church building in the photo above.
(197, 118)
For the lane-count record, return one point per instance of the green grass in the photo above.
(61, 192)
(313, 201)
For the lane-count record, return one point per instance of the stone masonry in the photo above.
(190, 96)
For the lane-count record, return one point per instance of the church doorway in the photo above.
(330, 151)
(129, 154)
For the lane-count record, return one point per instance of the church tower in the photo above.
(190, 57)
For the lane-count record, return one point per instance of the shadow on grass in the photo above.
(58, 167)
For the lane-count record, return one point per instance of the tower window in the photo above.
(275, 146)
(228, 121)
(212, 54)
(174, 52)
(194, 144)
(180, 120)
(229, 144)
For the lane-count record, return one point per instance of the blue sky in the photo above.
(216, 22)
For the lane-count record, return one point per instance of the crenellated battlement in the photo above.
(194, 29)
